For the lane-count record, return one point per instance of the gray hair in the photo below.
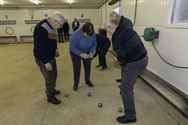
(58, 17)
(114, 14)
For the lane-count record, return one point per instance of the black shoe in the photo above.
(98, 66)
(118, 80)
(103, 68)
(90, 84)
(54, 100)
(57, 92)
(123, 119)
(75, 87)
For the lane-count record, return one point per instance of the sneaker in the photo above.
(90, 84)
(54, 100)
(118, 80)
(123, 119)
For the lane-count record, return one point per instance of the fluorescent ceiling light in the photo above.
(2, 2)
(70, 1)
(35, 1)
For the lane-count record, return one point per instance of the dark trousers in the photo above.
(102, 56)
(66, 34)
(131, 72)
(49, 76)
(76, 61)
(60, 37)
(121, 72)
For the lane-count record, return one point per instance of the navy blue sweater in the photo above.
(127, 44)
(45, 44)
(102, 42)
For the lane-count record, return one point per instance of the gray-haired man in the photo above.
(132, 55)
(45, 48)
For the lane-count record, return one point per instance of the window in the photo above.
(180, 12)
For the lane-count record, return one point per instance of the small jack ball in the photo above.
(66, 95)
(120, 109)
(89, 94)
(100, 105)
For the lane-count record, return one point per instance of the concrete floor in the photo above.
(23, 101)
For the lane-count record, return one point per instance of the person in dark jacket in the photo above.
(60, 34)
(83, 47)
(75, 24)
(103, 44)
(45, 50)
(132, 55)
(66, 30)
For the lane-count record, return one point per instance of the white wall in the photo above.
(128, 9)
(105, 12)
(172, 44)
(103, 15)
(20, 15)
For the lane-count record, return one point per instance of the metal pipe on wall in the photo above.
(135, 11)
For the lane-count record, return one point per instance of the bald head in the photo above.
(115, 18)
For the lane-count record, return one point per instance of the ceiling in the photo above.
(55, 3)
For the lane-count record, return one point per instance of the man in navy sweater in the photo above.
(132, 55)
(45, 48)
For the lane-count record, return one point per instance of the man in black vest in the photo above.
(45, 48)
(66, 30)
(60, 34)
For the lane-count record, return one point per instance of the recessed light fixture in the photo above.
(2, 2)
(35, 1)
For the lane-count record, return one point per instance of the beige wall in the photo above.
(106, 10)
